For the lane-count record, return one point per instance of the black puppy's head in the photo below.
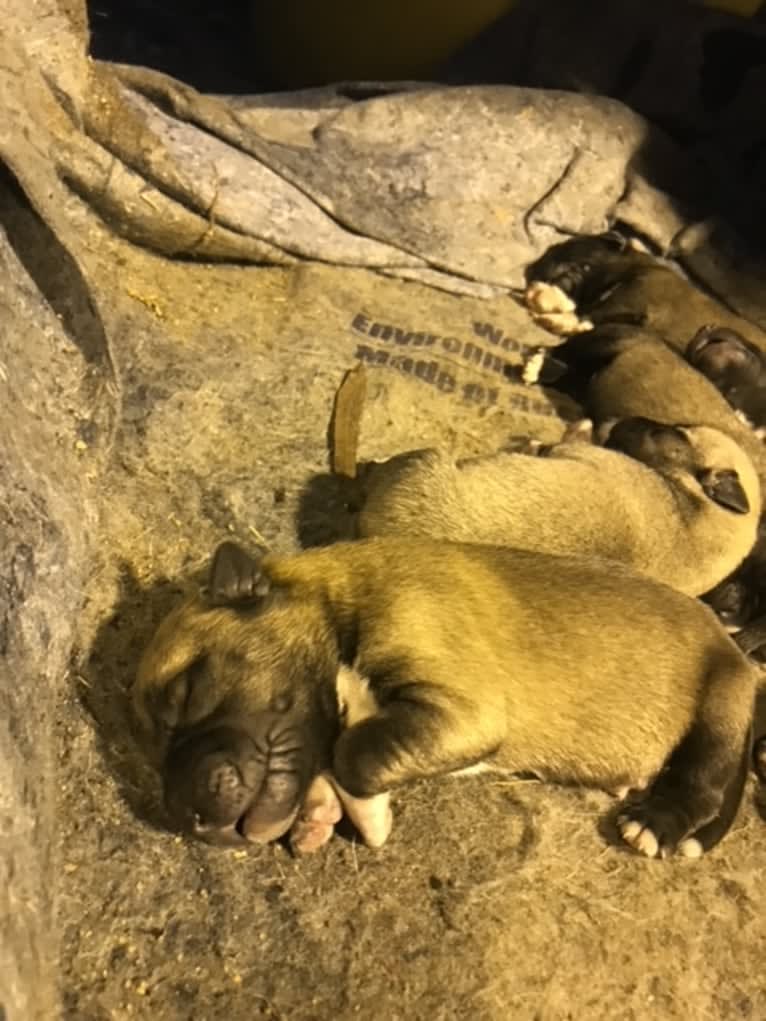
(735, 366)
(586, 268)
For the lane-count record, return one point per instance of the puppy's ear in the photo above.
(615, 240)
(724, 488)
(551, 370)
(236, 576)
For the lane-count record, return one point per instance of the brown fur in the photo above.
(612, 282)
(574, 670)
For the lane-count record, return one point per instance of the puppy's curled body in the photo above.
(562, 666)
(580, 499)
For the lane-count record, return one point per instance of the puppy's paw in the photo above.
(542, 298)
(530, 372)
(563, 324)
(579, 431)
(638, 836)
(635, 245)
(316, 821)
(372, 817)
(656, 826)
(628, 791)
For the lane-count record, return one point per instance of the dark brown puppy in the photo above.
(526, 662)
(735, 367)
(619, 371)
(611, 282)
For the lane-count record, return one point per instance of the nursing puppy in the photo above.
(565, 667)
(611, 282)
(735, 367)
(679, 503)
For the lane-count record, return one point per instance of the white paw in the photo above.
(563, 324)
(637, 246)
(372, 817)
(541, 298)
(639, 837)
(532, 366)
(316, 821)
(580, 431)
(690, 848)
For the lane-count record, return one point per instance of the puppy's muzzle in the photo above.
(235, 785)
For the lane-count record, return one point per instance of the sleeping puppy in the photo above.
(679, 503)
(620, 370)
(609, 281)
(472, 656)
(735, 367)
(741, 597)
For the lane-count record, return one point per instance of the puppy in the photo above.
(566, 667)
(679, 503)
(610, 281)
(735, 367)
(620, 370)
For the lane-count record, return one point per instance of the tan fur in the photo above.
(557, 665)
(578, 500)
(648, 378)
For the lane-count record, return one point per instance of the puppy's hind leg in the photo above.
(692, 803)
(714, 831)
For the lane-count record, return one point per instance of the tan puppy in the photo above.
(682, 504)
(620, 370)
(572, 669)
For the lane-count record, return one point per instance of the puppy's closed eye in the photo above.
(184, 699)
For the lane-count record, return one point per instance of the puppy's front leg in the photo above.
(692, 803)
(420, 730)
(326, 801)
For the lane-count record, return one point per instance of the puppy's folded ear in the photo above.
(236, 576)
(724, 488)
(551, 370)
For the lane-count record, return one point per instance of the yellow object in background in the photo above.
(745, 8)
(313, 42)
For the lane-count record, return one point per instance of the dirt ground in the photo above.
(492, 900)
